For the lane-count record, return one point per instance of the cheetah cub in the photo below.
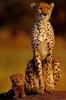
(43, 41)
(18, 85)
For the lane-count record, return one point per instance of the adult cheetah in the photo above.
(31, 76)
(43, 41)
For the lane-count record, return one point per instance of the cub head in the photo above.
(17, 79)
(42, 9)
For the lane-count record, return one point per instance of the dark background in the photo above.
(17, 13)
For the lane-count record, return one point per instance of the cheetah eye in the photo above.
(48, 8)
(40, 8)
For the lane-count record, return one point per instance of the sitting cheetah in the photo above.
(18, 85)
(43, 41)
(32, 78)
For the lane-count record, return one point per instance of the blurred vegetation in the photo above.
(18, 14)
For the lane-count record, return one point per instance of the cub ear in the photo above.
(33, 5)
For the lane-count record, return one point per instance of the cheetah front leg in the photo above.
(49, 84)
(29, 75)
(38, 63)
(56, 70)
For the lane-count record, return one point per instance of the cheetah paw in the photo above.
(41, 92)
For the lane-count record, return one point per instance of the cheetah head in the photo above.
(42, 9)
(17, 79)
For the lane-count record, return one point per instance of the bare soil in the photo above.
(57, 95)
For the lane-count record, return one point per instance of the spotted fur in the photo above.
(56, 70)
(43, 41)
(32, 78)
(18, 85)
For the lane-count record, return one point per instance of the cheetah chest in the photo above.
(46, 35)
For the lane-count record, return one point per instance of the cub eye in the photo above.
(17, 82)
(12, 81)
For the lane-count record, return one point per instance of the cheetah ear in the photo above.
(33, 5)
(52, 4)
